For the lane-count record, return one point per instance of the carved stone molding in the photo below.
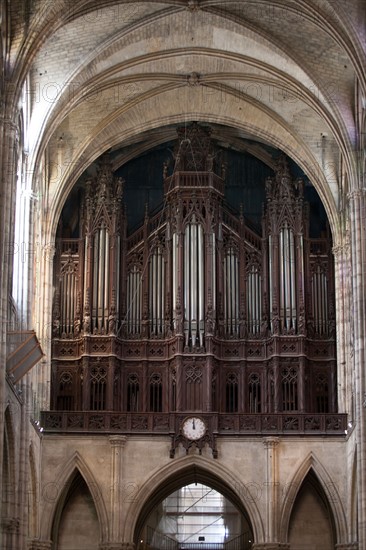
(193, 5)
(356, 194)
(118, 440)
(193, 79)
(271, 442)
(347, 546)
(340, 249)
(40, 545)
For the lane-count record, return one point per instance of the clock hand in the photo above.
(193, 424)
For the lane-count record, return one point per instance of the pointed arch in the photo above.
(75, 466)
(313, 464)
(183, 471)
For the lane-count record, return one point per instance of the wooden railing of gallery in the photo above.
(218, 423)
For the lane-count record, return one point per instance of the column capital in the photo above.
(340, 249)
(118, 440)
(271, 442)
(356, 194)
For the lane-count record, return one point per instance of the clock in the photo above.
(193, 428)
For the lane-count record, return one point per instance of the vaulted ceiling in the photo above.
(121, 76)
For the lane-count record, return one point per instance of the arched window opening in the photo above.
(196, 516)
(289, 389)
(156, 393)
(321, 393)
(254, 386)
(98, 388)
(232, 392)
(133, 392)
(65, 397)
(194, 388)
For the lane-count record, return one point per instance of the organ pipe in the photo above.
(157, 292)
(175, 270)
(319, 301)
(193, 283)
(231, 293)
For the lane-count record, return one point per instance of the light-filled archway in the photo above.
(184, 471)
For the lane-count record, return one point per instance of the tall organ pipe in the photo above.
(200, 284)
(293, 280)
(175, 268)
(270, 270)
(193, 281)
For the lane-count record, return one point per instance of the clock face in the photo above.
(193, 428)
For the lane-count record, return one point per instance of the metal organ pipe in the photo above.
(101, 277)
(325, 302)
(286, 262)
(213, 271)
(117, 279)
(187, 309)
(175, 245)
(162, 292)
(282, 276)
(106, 277)
(95, 280)
(200, 284)
(293, 280)
(270, 271)
(154, 291)
(194, 289)
(193, 283)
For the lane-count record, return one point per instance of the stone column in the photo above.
(271, 489)
(357, 200)
(8, 178)
(118, 443)
(342, 278)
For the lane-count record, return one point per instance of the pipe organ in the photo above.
(194, 310)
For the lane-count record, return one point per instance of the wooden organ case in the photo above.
(194, 311)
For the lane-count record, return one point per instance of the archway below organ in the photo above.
(195, 516)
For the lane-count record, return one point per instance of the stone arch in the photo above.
(181, 472)
(109, 136)
(58, 492)
(312, 464)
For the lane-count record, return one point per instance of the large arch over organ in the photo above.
(196, 309)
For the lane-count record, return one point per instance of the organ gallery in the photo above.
(195, 309)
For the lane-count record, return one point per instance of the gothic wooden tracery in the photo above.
(194, 310)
